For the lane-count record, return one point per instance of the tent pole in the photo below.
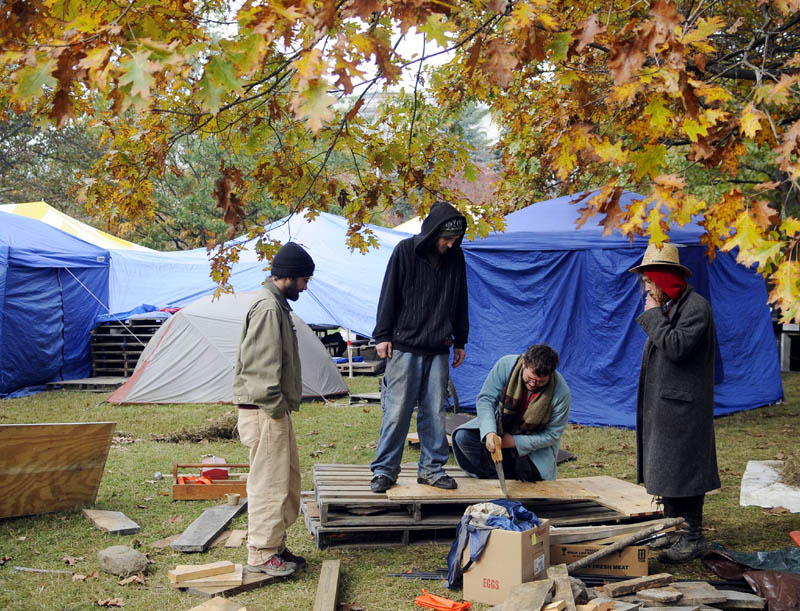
(349, 354)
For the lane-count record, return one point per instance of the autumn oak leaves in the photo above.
(691, 104)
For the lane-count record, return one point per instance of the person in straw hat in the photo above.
(675, 445)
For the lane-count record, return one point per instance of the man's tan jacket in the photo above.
(267, 370)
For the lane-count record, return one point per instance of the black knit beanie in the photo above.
(292, 261)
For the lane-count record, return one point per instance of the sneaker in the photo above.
(275, 566)
(380, 483)
(445, 481)
(288, 556)
(683, 550)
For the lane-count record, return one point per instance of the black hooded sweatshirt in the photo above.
(423, 309)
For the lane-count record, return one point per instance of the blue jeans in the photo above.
(473, 457)
(412, 378)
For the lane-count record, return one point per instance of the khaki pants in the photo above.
(273, 485)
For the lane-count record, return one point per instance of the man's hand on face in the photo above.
(458, 356)
(650, 302)
(384, 350)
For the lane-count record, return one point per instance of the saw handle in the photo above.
(497, 455)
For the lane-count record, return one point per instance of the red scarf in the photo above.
(672, 282)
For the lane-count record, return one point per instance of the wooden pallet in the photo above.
(98, 384)
(374, 532)
(343, 500)
(117, 345)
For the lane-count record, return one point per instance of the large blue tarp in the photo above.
(344, 290)
(52, 286)
(543, 281)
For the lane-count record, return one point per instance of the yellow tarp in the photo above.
(47, 214)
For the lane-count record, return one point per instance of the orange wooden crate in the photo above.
(201, 492)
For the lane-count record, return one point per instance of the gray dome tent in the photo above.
(192, 356)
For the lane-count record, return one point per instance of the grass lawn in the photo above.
(326, 434)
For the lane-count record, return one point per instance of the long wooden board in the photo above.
(476, 489)
(50, 467)
(202, 532)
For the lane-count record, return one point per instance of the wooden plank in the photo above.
(188, 572)
(112, 522)
(579, 534)
(698, 593)
(51, 467)
(236, 539)
(563, 588)
(742, 600)
(250, 581)
(487, 489)
(612, 590)
(233, 578)
(218, 604)
(328, 586)
(619, 495)
(200, 533)
(528, 596)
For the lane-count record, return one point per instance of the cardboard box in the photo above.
(509, 558)
(630, 561)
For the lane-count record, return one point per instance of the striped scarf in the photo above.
(537, 414)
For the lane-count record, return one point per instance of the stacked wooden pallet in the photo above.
(117, 345)
(342, 510)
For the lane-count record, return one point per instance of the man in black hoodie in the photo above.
(422, 312)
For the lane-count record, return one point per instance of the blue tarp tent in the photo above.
(344, 290)
(543, 281)
(47, 308)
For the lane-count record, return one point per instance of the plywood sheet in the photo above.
(50, 467)
(617, 494)
(488, 489)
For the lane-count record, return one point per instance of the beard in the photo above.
(291, 293)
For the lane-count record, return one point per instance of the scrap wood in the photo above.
(187, 572)
(112, 522)
(698, 593)
(556, 605)
(219, 604)
(202, 532)
(604, 604)
(25, 569)
(528, 596)
(629, 540)
(233, 578)
(236, 539)
(629, 586)
(563, 587)
(328, 586)
(579, 534)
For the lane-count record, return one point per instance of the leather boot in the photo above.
(684, 550)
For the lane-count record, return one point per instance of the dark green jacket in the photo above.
(267, 370)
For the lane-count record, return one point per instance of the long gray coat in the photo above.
(675, 446)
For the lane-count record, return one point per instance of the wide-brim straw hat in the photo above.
(666, 256)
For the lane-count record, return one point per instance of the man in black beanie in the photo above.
(267, 386)
(422, 314)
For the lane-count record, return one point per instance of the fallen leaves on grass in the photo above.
(776, 511)
(111, 602)
(90, 577)
(174, 519)
(71, 560)
(312, 433)
(597, 464)
(4, 559)
(350, 607)
(133, 579)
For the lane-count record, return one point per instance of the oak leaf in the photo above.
(32, 81)
(586, 32)
(500, 62)
(625, 59)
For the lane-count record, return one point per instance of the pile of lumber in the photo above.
(212, 575)
(558, 593)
